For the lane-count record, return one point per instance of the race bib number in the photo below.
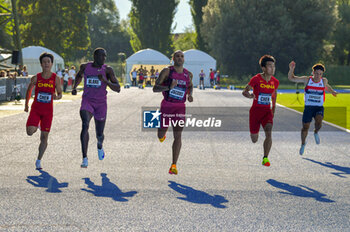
(93, 82)
(44, 97)
(264, 99)
(177, 93)
(313, 98)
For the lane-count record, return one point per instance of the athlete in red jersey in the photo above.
(264, 87)
(315, 87)
(46, 84)
(175, 82)
(212, 75)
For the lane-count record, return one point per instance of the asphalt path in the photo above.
(221, 185)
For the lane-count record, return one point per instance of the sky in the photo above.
(182, 19)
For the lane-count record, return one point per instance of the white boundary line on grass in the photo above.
(329, 123)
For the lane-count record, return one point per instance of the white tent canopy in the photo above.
(4, 56)
(31, 56)
(145, 57)
(7, 61)
(195, 61)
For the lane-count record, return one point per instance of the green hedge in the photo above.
(338, 75)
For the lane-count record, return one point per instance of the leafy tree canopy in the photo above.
(239, 32)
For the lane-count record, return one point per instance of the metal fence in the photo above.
(8, 90)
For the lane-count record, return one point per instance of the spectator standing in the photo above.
(65, 80)
(201, 79)
(24, 71)
(72, 73)
(212, 73)
(133, 77)
(140, 76)
(217, 78)
(60, 75)
(153, 77)
(2, 73)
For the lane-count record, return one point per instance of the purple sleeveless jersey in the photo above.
(94, 89)
(95, 93)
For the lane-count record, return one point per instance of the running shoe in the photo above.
(84, 164)
(302, 148)
(317, 138)
(162, 139)
(101, 153)
(38, 165)
(173, 169)
(266, 162)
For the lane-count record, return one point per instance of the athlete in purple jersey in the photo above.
(97, 76)
(175, 82)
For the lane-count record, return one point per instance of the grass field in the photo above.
(337, 110)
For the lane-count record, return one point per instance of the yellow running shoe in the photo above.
(173, 169)
(162, 139)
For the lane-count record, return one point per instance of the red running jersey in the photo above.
(212, 75)
(263, 91)
(44, 91)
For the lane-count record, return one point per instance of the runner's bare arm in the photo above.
(329, 88)
(190, 89)
(246, 92)
(111, 80)
(78, 78)
(29, 92)
(58, 89)
(274, 99)
(292, 77)
(163, 76)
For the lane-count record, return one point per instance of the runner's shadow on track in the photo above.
(107, 189)
(301, 191)
(343, 170)
(45, 180)
(196, 196)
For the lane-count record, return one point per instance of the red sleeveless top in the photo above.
(44, 91)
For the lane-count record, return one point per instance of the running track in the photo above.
(221, 185)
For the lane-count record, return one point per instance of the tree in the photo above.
(150, 24)
(197, 16)
(60, 25)
(239, 32)
(105, 30)
(185, 40)
(341, 50)
(6, 27)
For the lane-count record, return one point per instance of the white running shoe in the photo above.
(84, 164)
(302, 148)
(38, 165)
(101, 153)
(317, 138)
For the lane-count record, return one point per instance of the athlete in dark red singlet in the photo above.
(175, 82)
